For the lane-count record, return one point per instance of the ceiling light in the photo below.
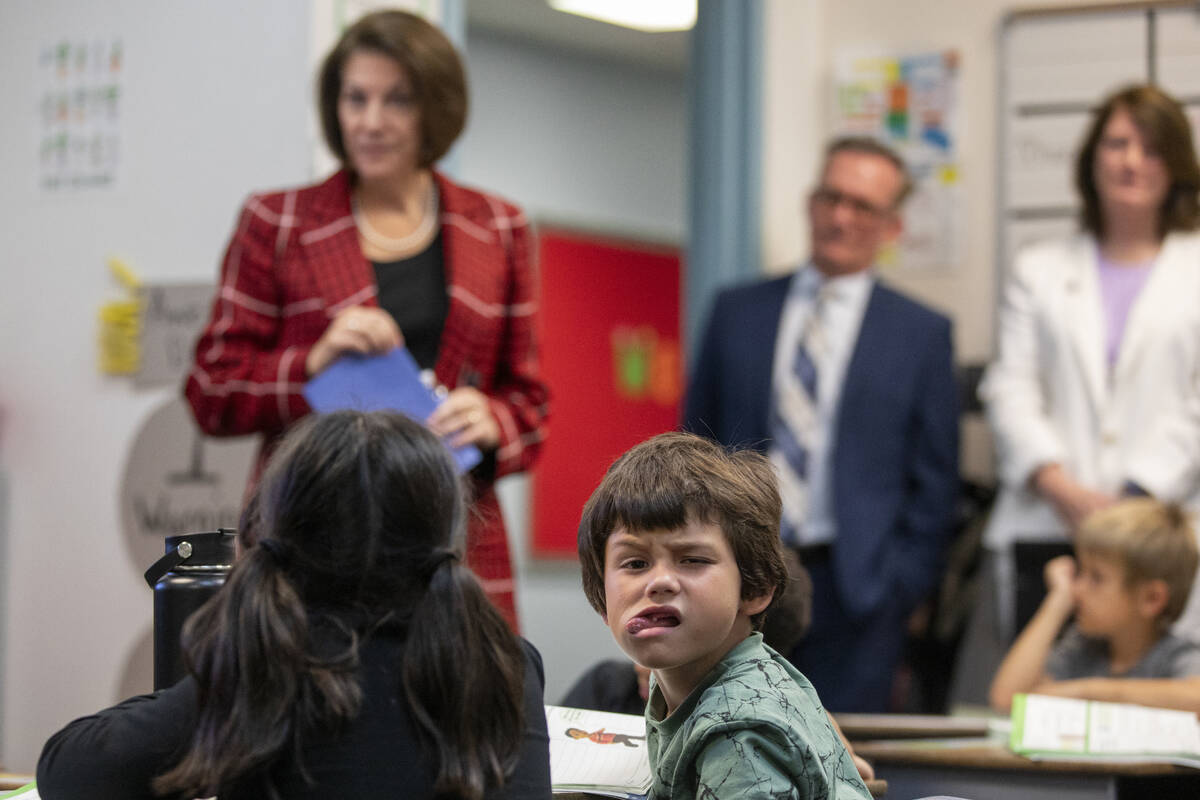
(652, 16)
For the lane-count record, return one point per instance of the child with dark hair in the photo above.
(680, 552)
(1134, 565)
(349, 654)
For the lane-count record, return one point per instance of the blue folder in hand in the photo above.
(388, 382)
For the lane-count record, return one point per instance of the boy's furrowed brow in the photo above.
(673, 540)
(692, 545)
(624, 538)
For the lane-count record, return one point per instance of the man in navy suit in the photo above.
(870, 481)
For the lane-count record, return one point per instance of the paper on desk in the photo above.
(387, 382)
(1062, 727)
(598, 752)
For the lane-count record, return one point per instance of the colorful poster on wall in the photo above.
(911, 102)
(79, 86)
(609, 332)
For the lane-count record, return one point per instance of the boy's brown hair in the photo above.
(675, 478)
(1152, 540)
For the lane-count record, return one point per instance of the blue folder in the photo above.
(388, 382)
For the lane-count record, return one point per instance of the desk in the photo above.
(877, 788)
(909, 726)
(984, 769)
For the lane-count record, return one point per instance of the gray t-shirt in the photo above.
(1078, 656)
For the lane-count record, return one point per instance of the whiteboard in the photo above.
(1056, 65)
(1178, 50)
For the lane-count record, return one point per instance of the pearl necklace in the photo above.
(402, 244)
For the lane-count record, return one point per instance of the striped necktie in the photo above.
(794, 419)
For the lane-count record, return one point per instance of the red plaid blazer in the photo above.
(294, 262)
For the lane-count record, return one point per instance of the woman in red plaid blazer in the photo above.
(300, 283)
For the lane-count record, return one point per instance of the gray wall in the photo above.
(575, 138)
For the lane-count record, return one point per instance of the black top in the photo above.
(114, 754)
(413, 291)
(608, 686)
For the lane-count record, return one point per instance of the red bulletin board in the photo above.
(611, 355)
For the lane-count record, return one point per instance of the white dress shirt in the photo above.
(841, 318)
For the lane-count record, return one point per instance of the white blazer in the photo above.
(1050, 396)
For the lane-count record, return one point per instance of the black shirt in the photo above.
(413, 291)
(114, 754)
(608, 686)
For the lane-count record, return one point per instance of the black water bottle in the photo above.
(194, 568)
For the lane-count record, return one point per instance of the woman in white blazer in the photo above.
(1095, 391)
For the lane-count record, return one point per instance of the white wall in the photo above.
(214, 104)
(794, 124)
(574, 140)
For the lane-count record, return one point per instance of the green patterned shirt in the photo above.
(753, 728)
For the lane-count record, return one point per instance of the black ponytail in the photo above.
(462, 659)
(258, 681)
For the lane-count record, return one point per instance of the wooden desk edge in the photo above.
(995, 757)
(877, 788)
(909, 726)
(13, 780)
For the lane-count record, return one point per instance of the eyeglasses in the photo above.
(829, 199)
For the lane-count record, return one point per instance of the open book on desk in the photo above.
(1067, 729)
(598, 753)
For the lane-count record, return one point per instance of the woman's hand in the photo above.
(1072, 501)
(466, 416)
(357, 329)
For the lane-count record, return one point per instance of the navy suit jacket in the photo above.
(895, 451)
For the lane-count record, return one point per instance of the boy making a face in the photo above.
(681, 557)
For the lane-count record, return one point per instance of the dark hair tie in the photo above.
(277, 551)
(436, 559)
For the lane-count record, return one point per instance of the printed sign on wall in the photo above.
(177, 480)
(911, 103)
(79, 84)
(172, 316)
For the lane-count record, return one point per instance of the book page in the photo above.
(1118, 728)
(1068, 725)
(597, 748)
(1054, 723)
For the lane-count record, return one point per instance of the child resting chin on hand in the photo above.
(1136, 563)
